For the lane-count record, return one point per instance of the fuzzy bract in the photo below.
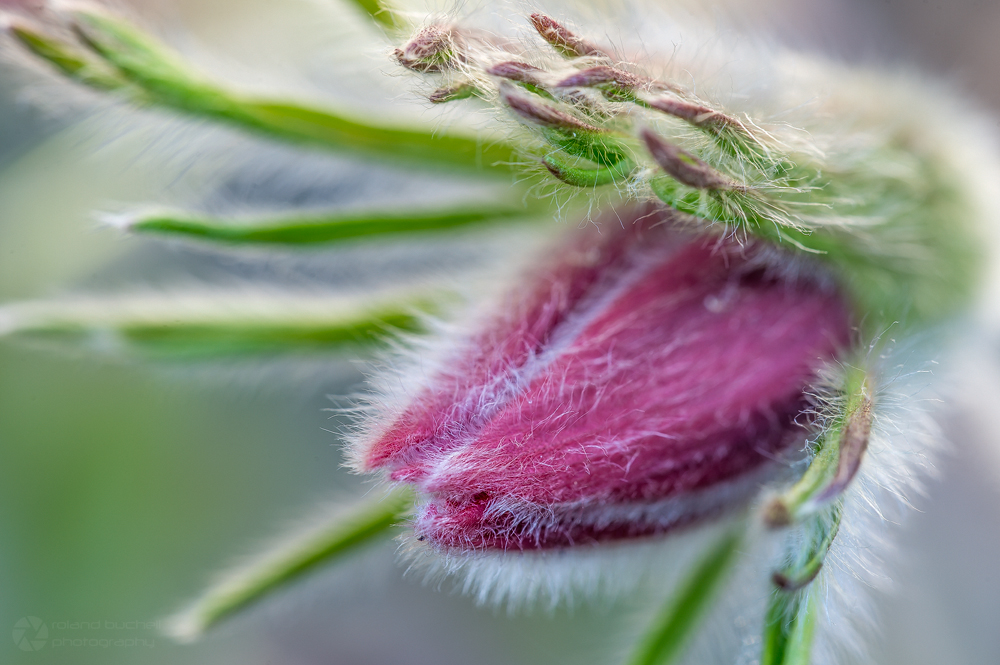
(633, 383)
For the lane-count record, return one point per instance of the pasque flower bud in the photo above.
(642, 379)
(761, 236)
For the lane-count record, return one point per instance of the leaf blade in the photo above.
(335, 538)
(200, 324)
(148, 73)
(320, 229)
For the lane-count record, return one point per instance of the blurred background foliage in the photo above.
(123, 486)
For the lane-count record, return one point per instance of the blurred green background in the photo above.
(123, 486)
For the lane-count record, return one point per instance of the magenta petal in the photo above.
(622, 395)
(465, 398)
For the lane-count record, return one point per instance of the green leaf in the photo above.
(791, 615)
(788, 630)
(158, 76)
(667, 636)
(598, 147)
(584, 177)
(321, 546)
(203, 324)
(836, 462)
(73, 62)
(394, 144)
(819, 532)
(320, 229)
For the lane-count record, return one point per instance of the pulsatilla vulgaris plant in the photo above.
(749, 258)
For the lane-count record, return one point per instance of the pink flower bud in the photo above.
(642, 379)
(521, 72)
(601, 75)
(563, 39)
(545, 115)
(683, 166)
(696, 114)
(432, 49)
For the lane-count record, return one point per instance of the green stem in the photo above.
(821, 529)
(837, 460)
(789, 629)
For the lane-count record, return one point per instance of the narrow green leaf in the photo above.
(396, 144)
(214, 323)
(72, 61)
(158, 76)
(671, 630)
(789, 628)
(836, 461)
(791, 616)
(321, 546)
(798, 649)
(582, 177)
(320, 229)
(820, 530)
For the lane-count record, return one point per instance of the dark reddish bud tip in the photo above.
(697, 114)
(683, 166)
(777, 514)
(853, 444)
(452, 93)
(789, 584)
(416, 65)
(601, 75)
(429, 42)
(543, 114)
(520, 72)
(564, 40)
(432, 49)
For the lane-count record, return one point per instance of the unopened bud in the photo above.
(520, 72)
(564, 40)
(643, 409)
(853, 444)
(543, 114)
(697, 114)
(683, 166)
(433, 49)
(601, 75)
(452, 93)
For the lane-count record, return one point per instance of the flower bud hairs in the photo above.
(749, 259)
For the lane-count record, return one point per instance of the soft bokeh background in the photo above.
(123, 486)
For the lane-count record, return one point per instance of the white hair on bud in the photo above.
(564, 577)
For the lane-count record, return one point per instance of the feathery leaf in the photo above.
(222, 322)
(320, 228)
(320, 546)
